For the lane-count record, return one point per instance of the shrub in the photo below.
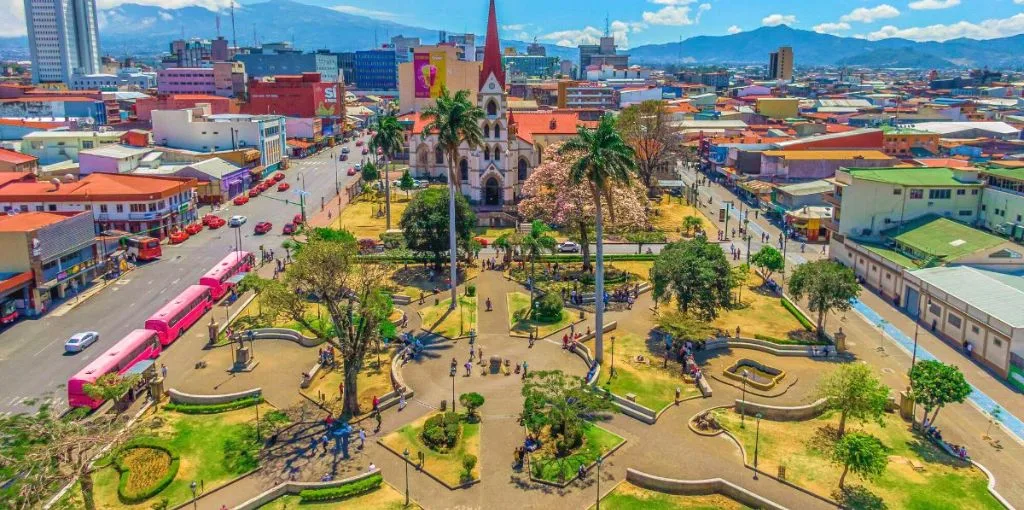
(471, 401)
(548, 308)
(471, 290)
(392, 240)
(76, 413)
(468, 463)
(804, 321)
(157, 481)
(368, 484)
(214, 408)
(441, 431)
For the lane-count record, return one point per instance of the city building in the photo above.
(466, 43)
(153, 205)
(536, 50)
(144, 107)
(12, 161)
(305, 95)
(272, 60)
(403, 47)
(420, 81)
(347, 66)
(604, 53)
(229, 79)
(587, 95)
(907, 142)
(780, 64)
(532, 66)
(218, 181)
(969, 130)
(199, 130)
(1002, 201)
(63, 39)
(43, 255)
(126, 77)
(197, 52)
(111, 159)
(56, 146)
(778, 107)
(186, 80)
(818, 164)
(376, 70)
(86, 110)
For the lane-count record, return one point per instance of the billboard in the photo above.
(328, 104)
(429, 69)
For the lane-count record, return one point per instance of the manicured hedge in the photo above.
(788, 341)
(804, 321)
(368, 484)
(624, 257)
(214, 408)
(161, 484)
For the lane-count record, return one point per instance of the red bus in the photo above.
(139, 345)
(8, 311)
(217, 278)
(143, 248)
(182, 312)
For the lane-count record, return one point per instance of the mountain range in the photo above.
(140, 30)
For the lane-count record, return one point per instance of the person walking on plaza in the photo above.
(362, 438)
(377, 417)
(163, 371)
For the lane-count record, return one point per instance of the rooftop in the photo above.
(807, 188)
(944, 238)
(1016, 173)
(14, 157)
(29, 221)
(828, 154)
(998, 295)
(945, 128)
(911, 176)
(95, 187)
(115, 151)
(72, 134)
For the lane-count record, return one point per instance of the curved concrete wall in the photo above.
(297, 487)
(700, 488)
(780, 413)
(179, 397)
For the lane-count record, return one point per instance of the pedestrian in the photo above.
(379, 420)
(376, 403)
(401, 401)
(163, 371)
(480, 354)
(524, 370)
(373, 467)
(472, 352)
(469, 368)
(362, 438)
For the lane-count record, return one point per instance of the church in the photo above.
(493, 174)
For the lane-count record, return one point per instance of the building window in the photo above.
(119, 208)
(916, 194)
(897, 191)
(497, 153)
(438, 156)
(497, 130)
(934, 309)
(939, 194)
(492, 108)
(974, 192)
(975, 330)
(953, 320)
(487, 131)
(522, 170)
(487, 153)
(997, 342)
(103, 208)
(52, 207)
(464, 170)
(961, 192)
(965, 212)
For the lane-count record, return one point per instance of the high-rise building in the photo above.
(403, 47)
(780, 64)
(63, 39)
(536, 50)
(376, 70)
(587, 51)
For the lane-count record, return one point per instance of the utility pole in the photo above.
(234, 40)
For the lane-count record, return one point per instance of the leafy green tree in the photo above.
(389, 137)
(407, 183)
(352, 293)
(828, 286)
(507, 243)
(562, 402)
(768, 261)
(472, 402)
(682, 328)
(455, 121)
(696, 273)
(425, 223)
(605, 159)
(691, 223)
(110, 386)
(643, 237)
(861, 453)
(537, 240)
(855, 392)
(740, 277)
(935, 384)
(370, 173)
(647, 128)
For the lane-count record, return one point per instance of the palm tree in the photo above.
(507, 242)
(455, 121)
(389, 137)
(691, 222)
(533, 243)
(606, 159)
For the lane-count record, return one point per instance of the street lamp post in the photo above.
(406, 455)
(193, 487)
(599, 461)
(913, 356)
(757, 442)
(881, 334)
(611, 372)
(743, 409)
(454, 371)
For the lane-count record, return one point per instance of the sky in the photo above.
(637, 22)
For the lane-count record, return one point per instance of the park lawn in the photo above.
(445, 466)
(653, 385)
(762, 313)
(360, 216)
(373, 381)
(520, 302)
(641, 268)
(251, 317)
(668, 217)
(384, 498)
(413, 280)
(455, 323)
(214, 448)
(944, 484)
(596, 443)
(627, 496)
(491, 233)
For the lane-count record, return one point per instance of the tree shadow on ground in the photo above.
(858, 497)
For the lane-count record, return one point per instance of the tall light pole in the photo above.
(193, 487)
(611, 372)
(599, 461)
(406, 455)
(743, 409)
(757, 442)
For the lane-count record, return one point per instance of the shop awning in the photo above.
(257, 171)
(236, 279)
(12, 281)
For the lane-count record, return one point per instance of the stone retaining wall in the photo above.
(808, 351)
(179, 397)
(781, 413)
(700, 488)
(297, 487)
(282, 334)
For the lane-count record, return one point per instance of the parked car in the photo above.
(240, 200)
(366, 151)
(346, 150)
(278, 177)
(422, 183)
(359, 143)
(253, 193)
(297, 219)
(284, 186)
(263, 227)
(79, 341)
(359, 167)
(289, 229)
(194, 229)
(569, 247)
(237, 221)
(216, 223)
(483, 242)
(207, 218)
(178, 237)
(351, 171)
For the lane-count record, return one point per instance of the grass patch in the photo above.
(944, 483)
(627, 496)
(519, 304)
(445, 466)
(214, 448)
(361, 216)
(653, 384)
(384, 498)
(374, 380)
(761, 313)
(415, 279)
(641, 268)
(491, 233)
(668, 215)
(253, 317)
(596, 442)
(454, 323)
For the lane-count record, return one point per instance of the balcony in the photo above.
(831, 199)
(831, 225)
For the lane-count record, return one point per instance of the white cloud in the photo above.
(1018, 1)
(774, 20)
(940, 4)
(735, 29)
(359, 11)
(988, 29)
(673, 2)
(13, 23)
(213, 5)
(675, 14)
(515, 26)
(166, 16)
(572, 38)
(701, 9)
(831, 28)
(866, 15)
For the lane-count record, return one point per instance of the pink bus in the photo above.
(139, 345)
(182, 312)
(217, 278)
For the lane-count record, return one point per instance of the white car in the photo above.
(569, 247)
(422, 183)
(79, 341)
(237, 221)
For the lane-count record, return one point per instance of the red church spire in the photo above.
(492, 52)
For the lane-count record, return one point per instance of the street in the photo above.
(32, 357)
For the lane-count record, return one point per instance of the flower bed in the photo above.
(147, 466)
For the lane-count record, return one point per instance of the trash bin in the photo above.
(495, 364)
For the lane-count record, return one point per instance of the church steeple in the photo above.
(492, 52)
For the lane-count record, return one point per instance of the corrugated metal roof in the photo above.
(999, 295)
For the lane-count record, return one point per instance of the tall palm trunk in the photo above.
(584, 246)
(387, 194)
(454, 272)
(599, 282)
(533, 279)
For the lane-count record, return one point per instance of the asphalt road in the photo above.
(33, 365)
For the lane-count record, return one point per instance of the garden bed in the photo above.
(519, 305)
(384, 498)
(448, 467)
(653, 384)
(571, 276)
(627, 496)
(373, 381)
(546, 466)
(441, 320)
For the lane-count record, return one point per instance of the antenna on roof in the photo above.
(234, 40)
(607, 25)
(217, 17)
(255, 41)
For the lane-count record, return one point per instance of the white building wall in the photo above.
(875, 206)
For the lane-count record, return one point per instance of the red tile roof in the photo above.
(529, 124)
(29, 221)
(63, 99)
(35, 124)
(9, 177)
(96, 187)
(15, 157)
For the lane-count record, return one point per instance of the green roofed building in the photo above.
(1002, 201)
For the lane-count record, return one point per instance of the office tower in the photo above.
(403, 47)
(63, 39)
(780, 64)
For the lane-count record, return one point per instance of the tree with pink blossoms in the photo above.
(549, 195)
